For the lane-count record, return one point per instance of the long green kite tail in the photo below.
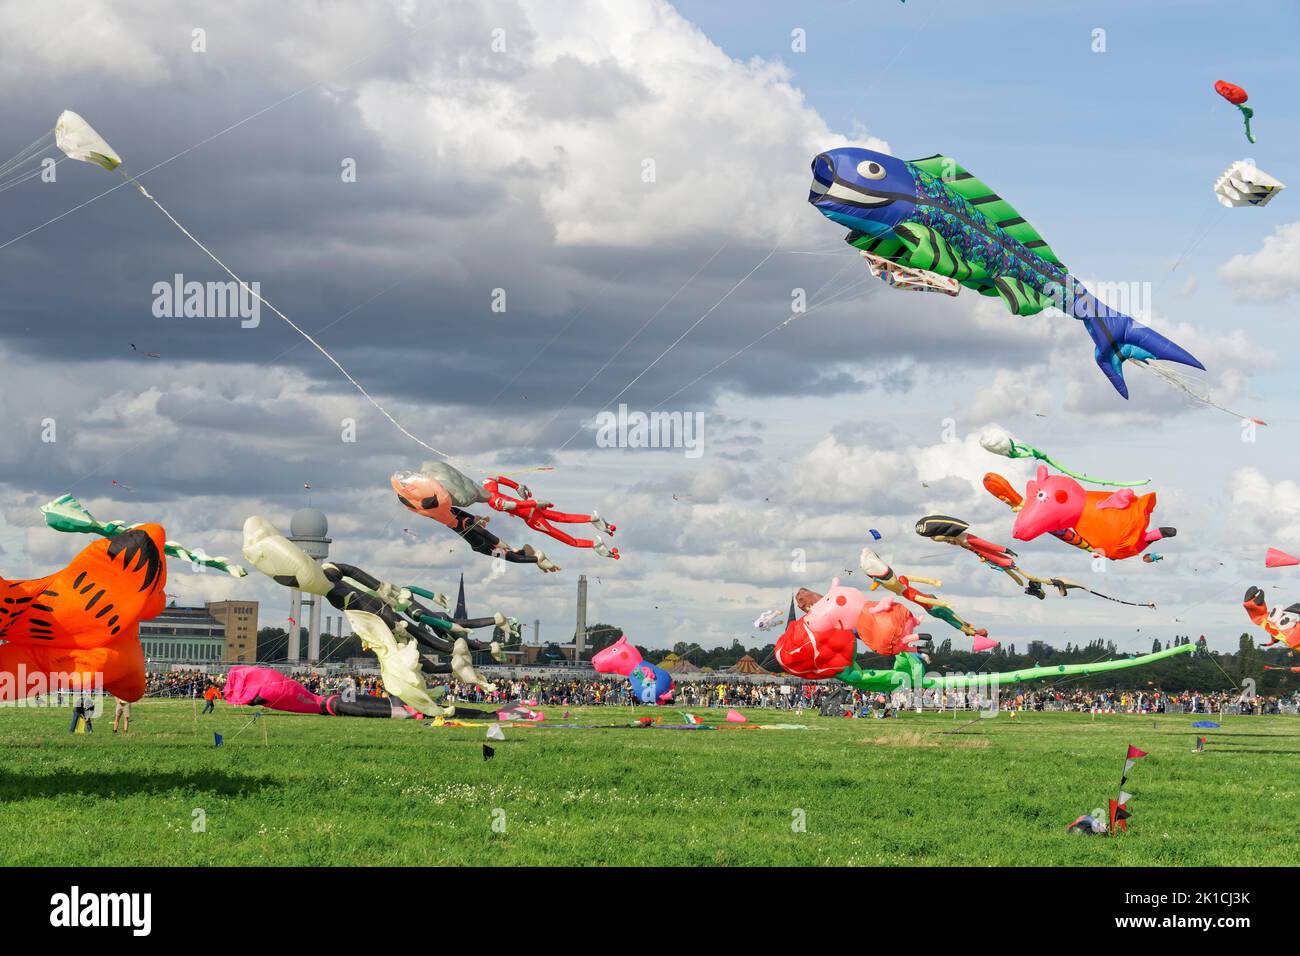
(1001, 443)
(66, 513)
(909, 673)
(1060, 670)
(1246, 114)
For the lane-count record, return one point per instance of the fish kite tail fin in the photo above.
(1119, 338)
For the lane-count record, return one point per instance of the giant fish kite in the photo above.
(934, 216)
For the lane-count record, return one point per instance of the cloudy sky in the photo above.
(631, 180)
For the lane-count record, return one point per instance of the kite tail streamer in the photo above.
(1075, 584)
(244, 285)
(1041, 456)
(1246, 114)
(1000, 442)
(66, 513)
(1193, 389)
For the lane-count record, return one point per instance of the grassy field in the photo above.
(330, 792)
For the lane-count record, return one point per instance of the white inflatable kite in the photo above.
(1245, 184)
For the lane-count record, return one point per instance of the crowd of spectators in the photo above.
(823, 696)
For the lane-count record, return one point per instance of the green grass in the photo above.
(895, 792)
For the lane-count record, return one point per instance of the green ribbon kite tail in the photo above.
(909, 673)
(66, 513)
(1246, 114)
(1029, 451)
(1016, 449)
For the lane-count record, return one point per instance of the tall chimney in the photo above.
(580, 633)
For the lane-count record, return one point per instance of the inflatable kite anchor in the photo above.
(651, 683)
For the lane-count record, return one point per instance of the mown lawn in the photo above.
(333, 792)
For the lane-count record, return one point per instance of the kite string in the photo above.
(633, 337)
(320, 348)
(734, 355)
(1184, 384)
(691, 328)
(30, 174)
(24, 155)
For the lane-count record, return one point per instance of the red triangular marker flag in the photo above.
(1134, 753)
(1279, 559)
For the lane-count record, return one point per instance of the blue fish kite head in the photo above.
(864, 190)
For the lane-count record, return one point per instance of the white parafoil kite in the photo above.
(1245, 184)
(768, 620)
(78, 140)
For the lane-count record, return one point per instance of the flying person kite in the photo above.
(956, 532)
(441, 492)
(933, 215)
(387, 618)
(882, 575)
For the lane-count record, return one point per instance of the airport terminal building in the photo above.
(218, 632)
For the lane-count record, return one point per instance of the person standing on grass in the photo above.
(210, 695)
(82, 708)
(122, 712)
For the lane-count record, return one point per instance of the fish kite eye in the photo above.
(871, 169)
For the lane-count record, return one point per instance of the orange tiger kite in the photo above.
(71, 627)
